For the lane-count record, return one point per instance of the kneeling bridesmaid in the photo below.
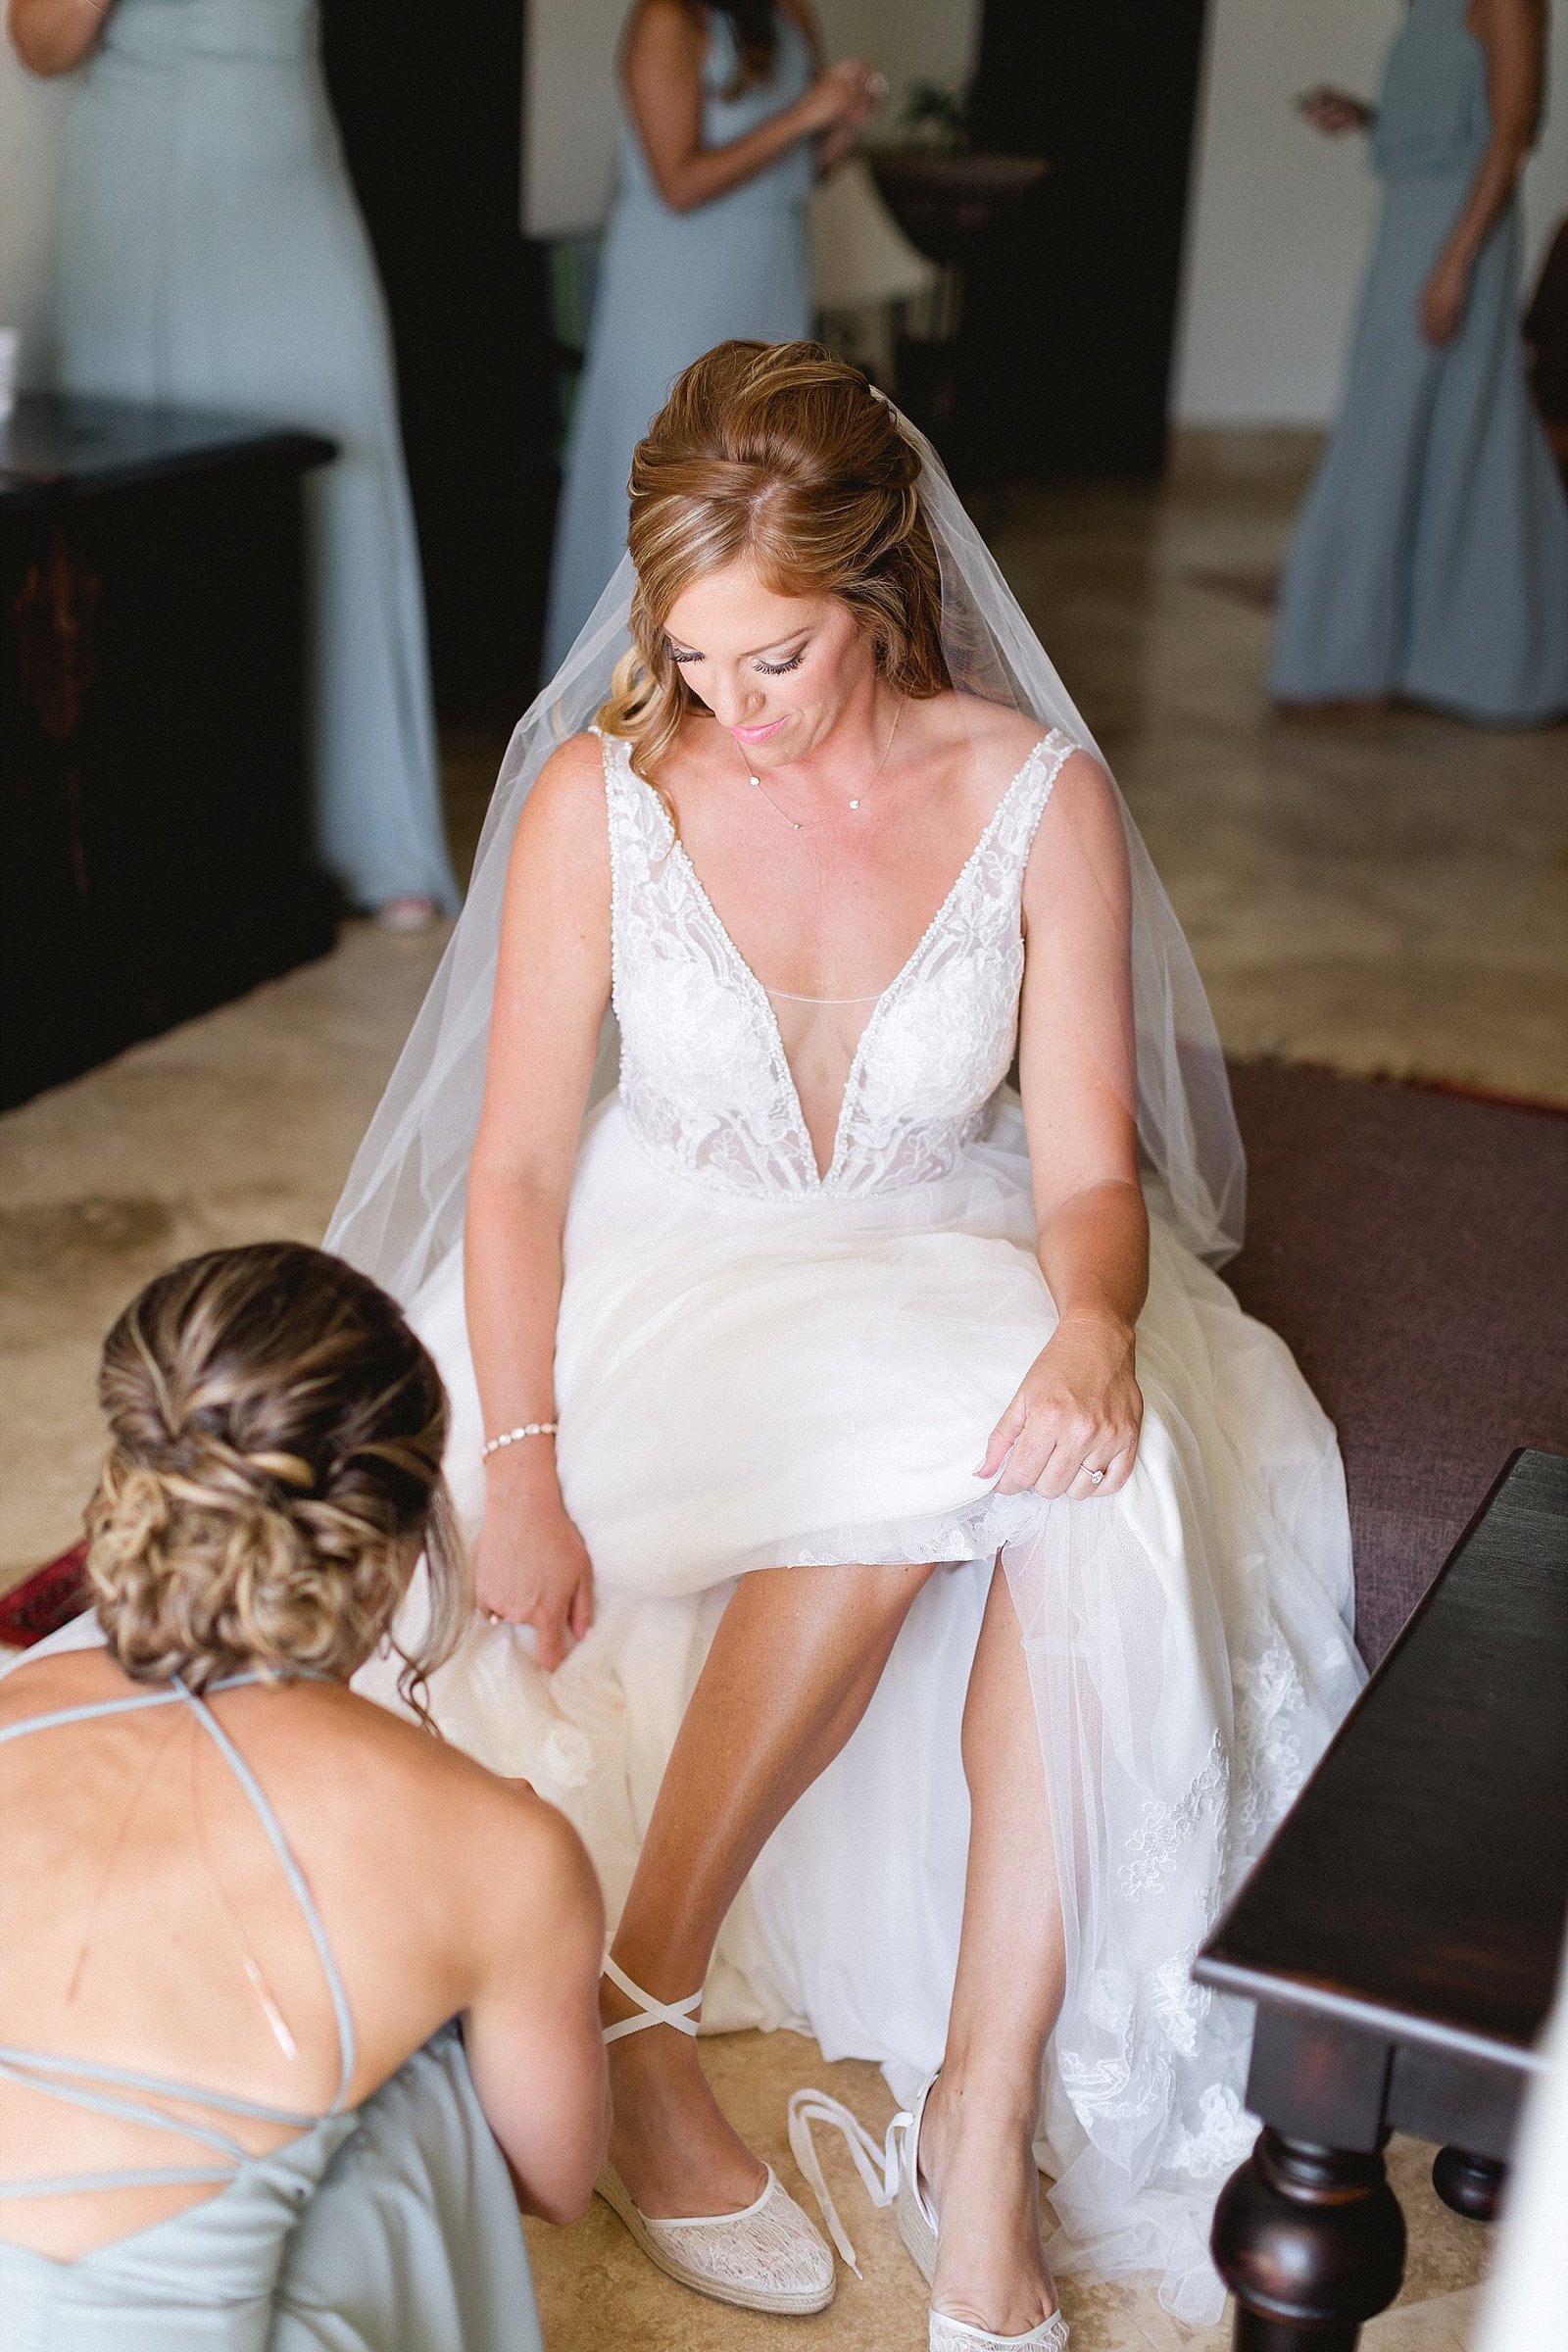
(277, 1969)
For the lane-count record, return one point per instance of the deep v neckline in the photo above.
(822, 1179)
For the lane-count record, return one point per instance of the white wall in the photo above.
(31, 115)
(1281, 217)
(570, 113)
(911, 40)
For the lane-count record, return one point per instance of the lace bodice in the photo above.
(704, 1075)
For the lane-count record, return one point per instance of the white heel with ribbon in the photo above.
(768, 2257)
(891, 2176)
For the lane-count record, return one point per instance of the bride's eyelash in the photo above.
(771, 670)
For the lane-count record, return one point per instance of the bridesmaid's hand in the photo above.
(55, 37)
(844, 138)
(1444, 298)
(531, 1566)
(1078, 1408)
(1334, 111)
(849, 92)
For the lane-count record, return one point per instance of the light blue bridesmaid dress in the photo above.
(212, 254)
(386, 2227)
(1431, 558)
(670, 287)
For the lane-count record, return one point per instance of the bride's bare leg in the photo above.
(793, 1665)
(975, 2142)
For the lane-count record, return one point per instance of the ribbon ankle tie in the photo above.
(679, 2014)
(878, 2166)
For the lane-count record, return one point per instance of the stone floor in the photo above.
(597, 2291)
(1386, 895)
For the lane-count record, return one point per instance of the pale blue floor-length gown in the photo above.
(1431, 558)
(390, 2226)
(212, 254)
(670, 287)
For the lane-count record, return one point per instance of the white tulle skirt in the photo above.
(746, 1384)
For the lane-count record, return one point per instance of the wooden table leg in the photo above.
(1310, 2241)
(1471, 2184)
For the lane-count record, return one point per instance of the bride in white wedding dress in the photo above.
(917, 1580)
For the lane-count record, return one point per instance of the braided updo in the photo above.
(276, 1458)
(782, 453)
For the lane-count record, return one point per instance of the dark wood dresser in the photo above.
(155, 852)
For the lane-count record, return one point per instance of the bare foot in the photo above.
(670, 2140)
(977, 2166)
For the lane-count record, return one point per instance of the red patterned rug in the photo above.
(45, 1601)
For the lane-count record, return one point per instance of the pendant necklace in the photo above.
(796, 823)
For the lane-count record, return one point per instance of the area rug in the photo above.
(1410, 1246)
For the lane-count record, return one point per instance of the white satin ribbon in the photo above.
(878, 2166)
(654, 2013)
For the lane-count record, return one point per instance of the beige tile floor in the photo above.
(1383, 895)
(597, 2291)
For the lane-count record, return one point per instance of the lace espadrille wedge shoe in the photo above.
(768, 2257)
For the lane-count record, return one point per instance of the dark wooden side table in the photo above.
(1400, 1936)
(155, 834)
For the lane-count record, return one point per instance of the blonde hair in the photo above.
(277, 1439)
(782, 453)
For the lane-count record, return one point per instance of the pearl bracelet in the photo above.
(509, 1437)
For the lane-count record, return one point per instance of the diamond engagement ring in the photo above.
(1095, 1477)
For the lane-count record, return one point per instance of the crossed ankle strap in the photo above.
(679, 2014)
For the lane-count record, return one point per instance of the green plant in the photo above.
(937, 114)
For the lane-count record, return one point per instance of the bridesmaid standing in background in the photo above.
(706, 239)
(212, 254)
(1431, 561)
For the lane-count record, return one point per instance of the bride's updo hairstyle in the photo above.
(784, 453)
(276, 1460)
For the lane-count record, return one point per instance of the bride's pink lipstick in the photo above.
(757, 734)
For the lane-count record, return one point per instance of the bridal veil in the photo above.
(402, 1210)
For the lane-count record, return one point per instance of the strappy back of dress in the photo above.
(705, 1076)
(127, 2096)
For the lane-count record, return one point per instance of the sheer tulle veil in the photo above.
(402, 1210)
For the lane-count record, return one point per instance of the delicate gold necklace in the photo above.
(796, 824)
